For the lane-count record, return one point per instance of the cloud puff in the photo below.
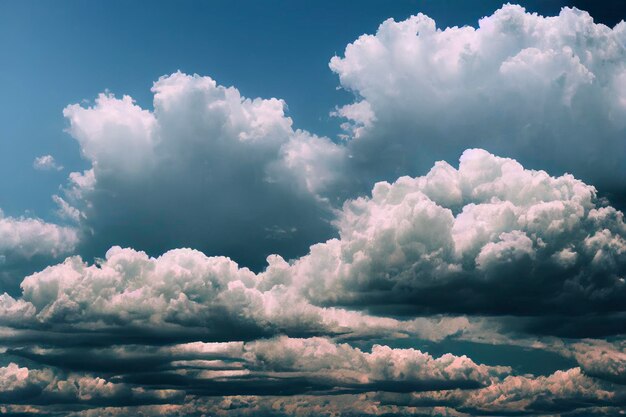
(384, 368)
(549, 91)
(489, 237)
(27, 244)
(46, 163)
(214, 170)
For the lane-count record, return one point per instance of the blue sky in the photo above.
(298, 208)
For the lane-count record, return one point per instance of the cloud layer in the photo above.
(488, 252)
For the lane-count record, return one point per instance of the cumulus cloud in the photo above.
(46, 163)
(281, 364)
(484, 254)
(602, 359)
(214, 170)
(182, 295)
(549, 91)
(489, 237)
(561, 392)
(27, 244)
(396, 378)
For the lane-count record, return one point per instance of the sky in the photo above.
(312, 208)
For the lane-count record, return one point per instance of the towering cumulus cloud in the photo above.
(549, 91)
(212, 169)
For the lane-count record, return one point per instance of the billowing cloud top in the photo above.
(217, 171)
(519, 84)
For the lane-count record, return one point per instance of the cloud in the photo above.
(214, 170)
(265, 367)
(548, 91)
(487, 238)
(561, 392)
(183, 295)
(602, 359)
(27, 244)
(46, 163)
(483, 256)
(565, 393)
(21, 385)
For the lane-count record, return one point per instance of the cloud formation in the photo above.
(192, 312)
(537, 254)
(215, 170)
(46, 163)
(397, 381)
(487, 238)
(548, 91)
(182, 295)
(27, 244)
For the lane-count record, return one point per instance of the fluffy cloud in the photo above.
(549, 91)
(27, 244)
(46, 163)
(281, 364)
(486, 254)
(44, 386)
(214, 170)
(488, 237)
(183, 295)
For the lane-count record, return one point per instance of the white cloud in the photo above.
(602, 359)
(549, 91)
(562, 391)
(486, 238)
(47, 385)
(184, 293)
(490, 237)
(46, 163)
(27, 242)
(213, 169)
